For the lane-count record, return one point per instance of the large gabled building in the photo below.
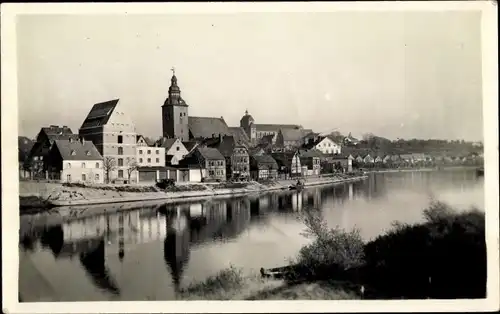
(113, 133)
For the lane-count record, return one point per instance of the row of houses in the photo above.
(366, 158)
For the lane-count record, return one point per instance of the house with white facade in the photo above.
(113, 133)
(150, 156)
(73, 160)
(324, 144)
(174, 149)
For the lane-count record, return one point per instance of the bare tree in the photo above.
(109, 164)
(132, 166)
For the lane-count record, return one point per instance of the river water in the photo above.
(146, 253)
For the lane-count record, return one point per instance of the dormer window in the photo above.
(73, 153)
(88, 153)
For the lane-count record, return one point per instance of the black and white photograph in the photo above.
(248, 152)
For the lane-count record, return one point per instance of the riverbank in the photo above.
(451, 168)
(42, 195)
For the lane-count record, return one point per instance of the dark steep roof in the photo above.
(205, 127)
(56, 132)
(225, 145)
(190, 145)
(166, 143)
(265, 159)
(76, 150)
(99, 114)
(210, 153)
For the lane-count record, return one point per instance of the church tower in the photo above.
(175, 113)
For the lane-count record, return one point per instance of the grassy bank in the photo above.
(443, 257)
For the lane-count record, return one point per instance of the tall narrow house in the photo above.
(113, 134)
(175, 113)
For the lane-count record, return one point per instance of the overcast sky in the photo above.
(408, 75)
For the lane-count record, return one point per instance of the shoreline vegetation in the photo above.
(42, 195)
(443, 257)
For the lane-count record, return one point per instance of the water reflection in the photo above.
(186, 227)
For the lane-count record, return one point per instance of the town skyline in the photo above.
(417, 83)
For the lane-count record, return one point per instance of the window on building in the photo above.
(140, 160)
(120, 139)
(35, 158)
(120, 150)
(120, 173)
(120, 162)
(97, 165)
(211, 172)
(149, 160)
(177, 148)
(84, 177)
(69, 165)
(157, 152)
(41, 157)
(83, 165)
(97, 177)
(68, 178)
(140, 151)
(149, 152)
(157, 160)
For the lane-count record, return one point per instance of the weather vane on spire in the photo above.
(173, 70)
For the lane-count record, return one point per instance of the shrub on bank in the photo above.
(331, 248)
(443, 257)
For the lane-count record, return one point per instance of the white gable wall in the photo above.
(327, 146)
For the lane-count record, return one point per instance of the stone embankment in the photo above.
(43, 195)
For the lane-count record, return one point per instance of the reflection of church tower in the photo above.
(175, 113)
(94, 263)
(248, 124)
(176, 246)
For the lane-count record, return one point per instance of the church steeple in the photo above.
(175, 119)
(174, 92)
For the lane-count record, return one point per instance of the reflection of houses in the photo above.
(91, 253)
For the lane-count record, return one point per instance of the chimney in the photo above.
(65, 126)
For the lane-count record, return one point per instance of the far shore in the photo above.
(448, 168)
(42, 195)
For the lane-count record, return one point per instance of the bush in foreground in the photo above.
(443, 257)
